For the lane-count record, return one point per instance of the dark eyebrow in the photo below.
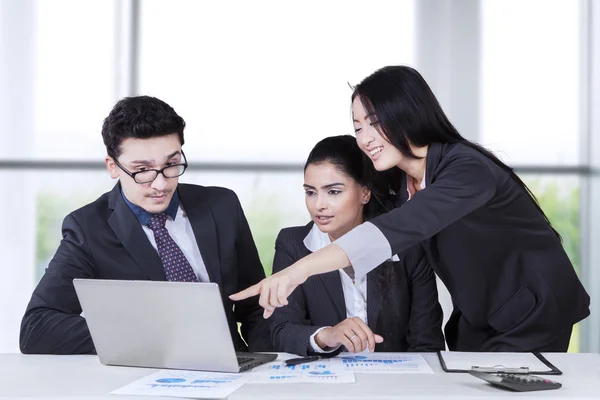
(172, 155)
(151, 162)
(142, 162)
(324, 187)
(368, 116)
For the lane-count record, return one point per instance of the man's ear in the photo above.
(111, 167)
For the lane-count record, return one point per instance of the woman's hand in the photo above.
(275, 289)
(352, 333)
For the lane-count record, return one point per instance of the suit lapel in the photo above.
(434, 157)
(129, 231)
(373, 299)
(402, 196)
(333, 284)
(205, 231)
(331, 280)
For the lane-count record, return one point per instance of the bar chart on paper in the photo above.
(280, 367)
(381, 363)
(316, 372)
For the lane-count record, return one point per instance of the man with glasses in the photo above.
(148, 227)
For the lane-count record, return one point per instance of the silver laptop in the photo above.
(178, 325)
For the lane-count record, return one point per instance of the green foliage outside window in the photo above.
(560, 200)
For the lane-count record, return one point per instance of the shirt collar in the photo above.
(144, 216)
(422, 185)
(316, 240)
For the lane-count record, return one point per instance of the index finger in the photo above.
(253, 290)
(368, 331)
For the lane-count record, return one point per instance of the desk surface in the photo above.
(84, 377)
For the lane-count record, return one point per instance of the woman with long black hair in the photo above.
(512, 284)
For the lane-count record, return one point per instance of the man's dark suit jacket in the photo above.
(512, 284)
(320, 302)
(104, 240)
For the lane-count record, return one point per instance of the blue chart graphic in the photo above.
(290, 367)
(226, 378)
(279, 377)
(373, 364)
(322, 373)
(354, 358)
(365, 363)
(170, 380)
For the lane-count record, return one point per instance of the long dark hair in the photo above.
(408, 111)
(345, 155)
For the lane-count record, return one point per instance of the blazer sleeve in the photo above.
(291, 328)
(425, 321)
(52, 323)
(462, 186)
(254, 328)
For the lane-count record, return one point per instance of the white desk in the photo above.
(56, 377)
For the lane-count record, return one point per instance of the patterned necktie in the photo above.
(177, 267)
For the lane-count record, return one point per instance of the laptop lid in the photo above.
(179, 325)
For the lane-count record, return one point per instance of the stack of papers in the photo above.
(340, 369)
(382, 363)
(314, 372)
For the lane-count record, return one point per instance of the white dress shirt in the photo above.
(355, 292)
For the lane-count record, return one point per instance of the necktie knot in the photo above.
(157, 221)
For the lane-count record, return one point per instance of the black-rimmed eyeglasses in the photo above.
(149, 175)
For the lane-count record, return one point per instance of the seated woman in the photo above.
(395, 306)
